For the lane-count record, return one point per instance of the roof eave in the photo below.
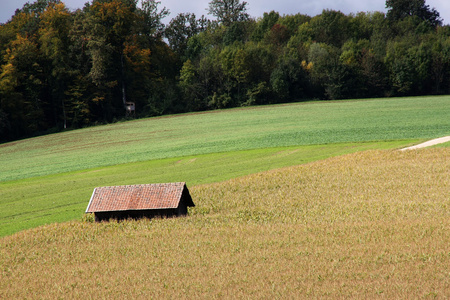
(146, 209)
(90, 201)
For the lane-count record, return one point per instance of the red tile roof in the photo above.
(137, 197)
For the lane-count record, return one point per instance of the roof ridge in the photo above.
(142, 184)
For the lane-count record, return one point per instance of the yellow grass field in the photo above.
(374, 224)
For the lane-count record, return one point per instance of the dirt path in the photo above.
(429, 143)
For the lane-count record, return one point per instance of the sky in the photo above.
(256, 8)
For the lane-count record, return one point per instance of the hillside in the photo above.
(50, 179)
(311, 123)
(364, 225)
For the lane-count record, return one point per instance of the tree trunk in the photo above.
(124, 97)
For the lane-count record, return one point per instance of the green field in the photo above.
(312, 123)
(49, 179)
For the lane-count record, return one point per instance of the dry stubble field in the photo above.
(373, 224)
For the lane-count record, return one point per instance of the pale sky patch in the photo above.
(256, 7)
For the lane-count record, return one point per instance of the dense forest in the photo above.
(69, 69)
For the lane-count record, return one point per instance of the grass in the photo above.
(341, 224)
(31, 202)
(372, 224)
(312, 123)
(49, 179)
(442, 145)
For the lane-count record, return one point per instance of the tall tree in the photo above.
(34, 10)
(181, 29)
(234, 67)
(400, 9)
(22, 87)
(288, 80)
(108, 27)
(228, 11)
(331, 27)
(264, 25)
(151, 18)
(53, 34)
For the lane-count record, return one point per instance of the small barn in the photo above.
(138, 201)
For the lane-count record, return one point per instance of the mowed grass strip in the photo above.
(310, 123)
(364, 225)
(42, 200)
(442, 145)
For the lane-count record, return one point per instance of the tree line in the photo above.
(69, 69)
